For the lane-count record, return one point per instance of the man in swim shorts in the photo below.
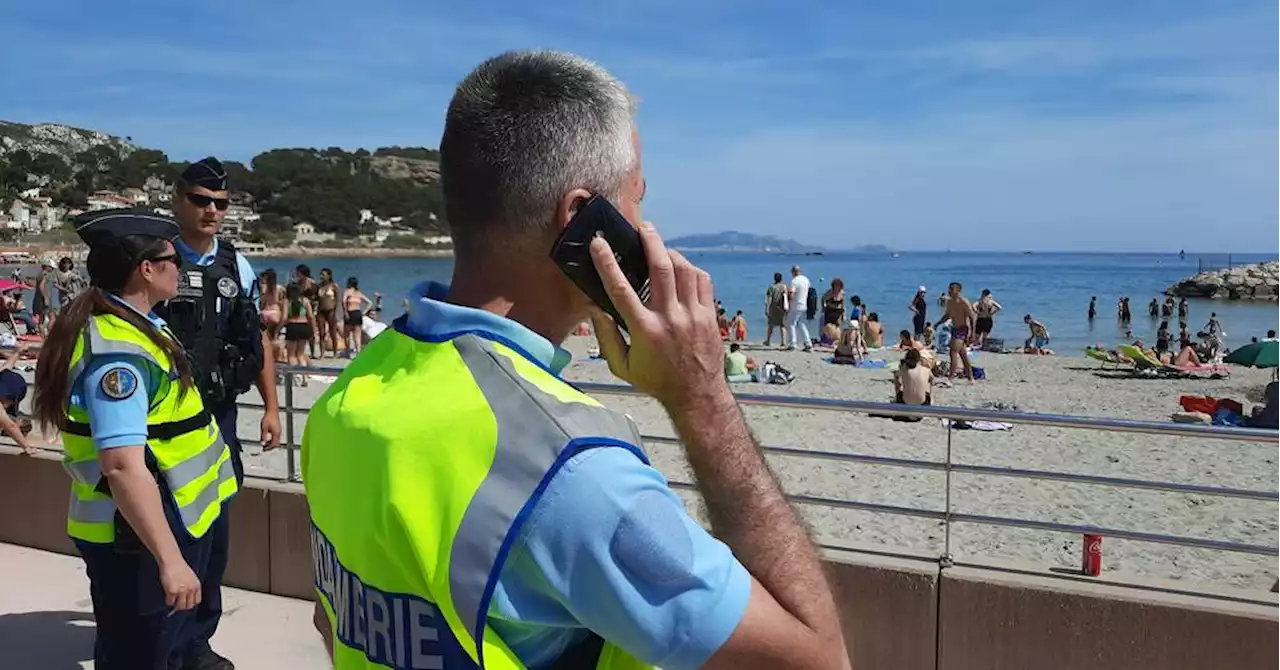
(959, 311)
(1039, 340)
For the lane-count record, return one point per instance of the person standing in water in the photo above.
(1093, 307)
(959, 312)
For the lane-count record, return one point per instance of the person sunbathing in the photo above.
(1187, 357)
(849, 350)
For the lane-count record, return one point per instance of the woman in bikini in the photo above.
(833, 304)
(327, 294)
(269, 309)
(299, 329)
(355, 303)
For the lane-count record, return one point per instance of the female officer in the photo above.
(149, 470)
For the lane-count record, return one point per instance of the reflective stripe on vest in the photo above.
(195, 465)
(418, 520)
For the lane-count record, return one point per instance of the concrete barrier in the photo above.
(888, 609)
(992, 620)
(896, 613)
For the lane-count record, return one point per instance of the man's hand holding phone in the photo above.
(675, 353)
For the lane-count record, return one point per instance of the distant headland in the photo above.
(732, 240)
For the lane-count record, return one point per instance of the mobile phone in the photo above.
(572, 253)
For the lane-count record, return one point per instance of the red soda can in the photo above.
(1092, 564)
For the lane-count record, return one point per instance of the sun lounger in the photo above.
(1146, 365)
(1107, 358)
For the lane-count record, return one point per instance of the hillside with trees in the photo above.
(324, 187)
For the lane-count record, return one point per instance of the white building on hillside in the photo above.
(242, 214)
(19, 215)
(107, 200)
(136, 195)
(305, 232)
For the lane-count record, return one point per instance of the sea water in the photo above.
(1053, 287)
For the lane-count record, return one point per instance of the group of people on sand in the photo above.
(314, 317)
(789, 306)
(52, 288)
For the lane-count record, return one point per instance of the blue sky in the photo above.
(1083, 125)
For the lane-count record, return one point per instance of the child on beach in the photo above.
(928, 334)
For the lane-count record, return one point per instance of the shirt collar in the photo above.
(433, 319)
(150, 316)
(191, 255)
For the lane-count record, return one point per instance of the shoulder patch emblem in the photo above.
(227, 287)
(119, 383)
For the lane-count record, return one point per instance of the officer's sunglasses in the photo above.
(166, 258)
(203, 201)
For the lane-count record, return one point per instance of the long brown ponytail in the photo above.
(52, 386)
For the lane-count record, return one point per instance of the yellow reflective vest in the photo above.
(420, 463)
(182, 440)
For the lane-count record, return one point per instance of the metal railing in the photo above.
(947, 515)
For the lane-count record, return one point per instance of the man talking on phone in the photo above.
(469, 508)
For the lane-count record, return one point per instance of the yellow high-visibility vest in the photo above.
(182, 438)
(420, 463)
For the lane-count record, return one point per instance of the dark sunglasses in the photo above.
(167, 258)
(203, 201)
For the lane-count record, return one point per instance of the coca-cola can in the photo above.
(1092, 563)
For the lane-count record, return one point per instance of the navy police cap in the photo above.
(107, 225)
(206, 172)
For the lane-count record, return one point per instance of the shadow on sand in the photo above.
(46, 640)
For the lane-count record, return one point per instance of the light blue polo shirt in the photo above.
(118, 422)
(608, 545)
(248, 280)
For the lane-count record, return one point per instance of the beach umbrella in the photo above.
(1258, 354)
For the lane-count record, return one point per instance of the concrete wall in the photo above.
(896, 613)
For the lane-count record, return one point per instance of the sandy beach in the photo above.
(1062, 385)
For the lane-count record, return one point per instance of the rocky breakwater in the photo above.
(1245, 282)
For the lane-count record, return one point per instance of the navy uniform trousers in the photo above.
(135, 629)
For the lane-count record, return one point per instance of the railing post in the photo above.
(946, 559)
(291, 468)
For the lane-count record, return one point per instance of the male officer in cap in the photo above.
(215, 315)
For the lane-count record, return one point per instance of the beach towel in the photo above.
(985, 426)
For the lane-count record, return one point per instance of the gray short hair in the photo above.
(523, 129)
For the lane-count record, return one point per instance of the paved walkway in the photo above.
(46, 620)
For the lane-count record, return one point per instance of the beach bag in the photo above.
(772, 373)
